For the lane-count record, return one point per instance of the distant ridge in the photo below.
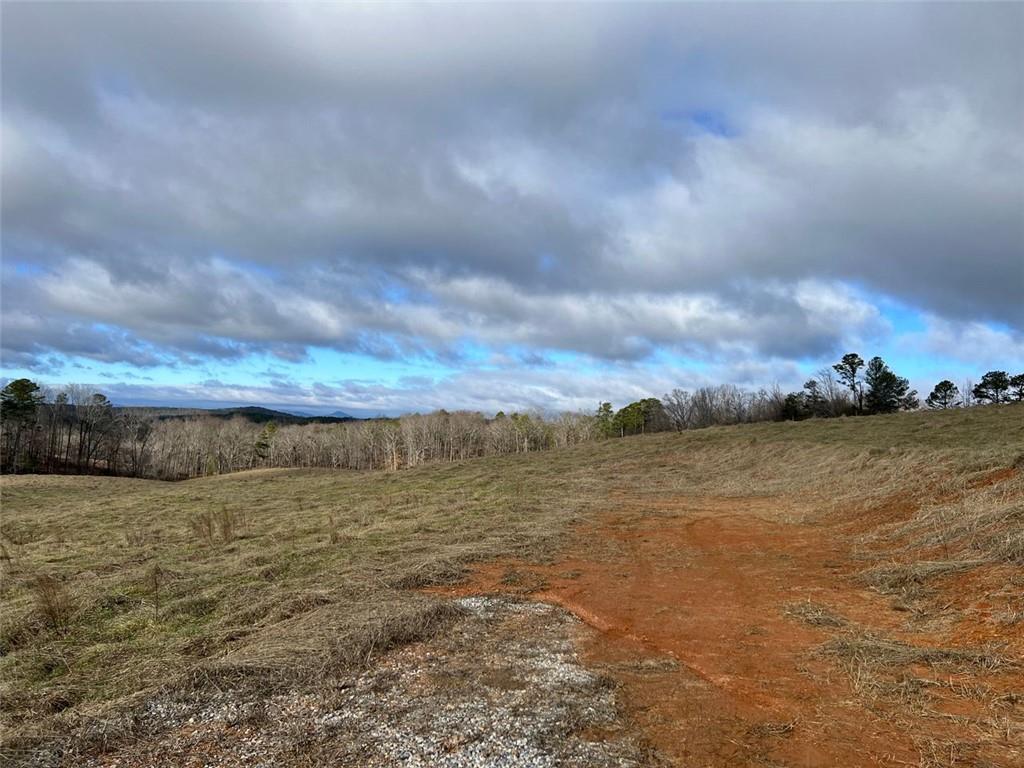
(254, 413)
(308, 415)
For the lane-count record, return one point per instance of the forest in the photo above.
(73, 429)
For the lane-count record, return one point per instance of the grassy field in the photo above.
(113, 588)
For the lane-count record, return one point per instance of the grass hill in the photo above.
(115, 588)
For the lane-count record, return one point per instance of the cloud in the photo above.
(976, 344)
(547, 390)
(184, 183)
(220, 311)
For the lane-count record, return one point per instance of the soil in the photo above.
(696, 602)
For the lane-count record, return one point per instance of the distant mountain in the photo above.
(257, 414)
(310, 415)
(253, 413)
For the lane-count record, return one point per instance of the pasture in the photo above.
(874, 567)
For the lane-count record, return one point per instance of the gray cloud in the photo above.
(491, 390)
(193, 181)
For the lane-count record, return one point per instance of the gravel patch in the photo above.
(501, 688)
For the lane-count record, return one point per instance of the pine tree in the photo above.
(19, 402)
(993, 387)
(848, 368)
(1017, 387)
(814, 401)
(605, 419)
(886, 392)
(945, 395)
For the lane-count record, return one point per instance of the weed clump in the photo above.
(202, 527)
(223, 526)
(53, 602)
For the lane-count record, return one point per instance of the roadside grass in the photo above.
(113, 588)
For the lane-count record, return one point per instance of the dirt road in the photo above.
(716, 616)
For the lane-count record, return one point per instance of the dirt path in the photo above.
(698, 602)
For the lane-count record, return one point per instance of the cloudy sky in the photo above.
(382, 208)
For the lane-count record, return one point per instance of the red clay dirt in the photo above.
(690, 597)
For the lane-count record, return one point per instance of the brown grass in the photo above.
(814, 614)
(874, 651)
(315, 576)
(53, 602)
(203, 527)
(909, 579)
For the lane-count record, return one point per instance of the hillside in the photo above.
(794, 593)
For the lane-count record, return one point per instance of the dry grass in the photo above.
(211, 527)
(976, 522)
(874, 651)
(1010, 617)
(202, 526)
(909, 579)
(53, 602)
(889, 672)
(314, 578)
(814, 614)
(270, 575)
(772, 729)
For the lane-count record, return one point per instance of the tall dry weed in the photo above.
(53, 602)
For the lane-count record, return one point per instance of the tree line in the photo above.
(73, 430)
(77, 430)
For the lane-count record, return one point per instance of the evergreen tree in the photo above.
(993, 387)
(265, 442)
(886, 392)
(945, 395)
(1017, 387)
(910, 401)
(814, 401)
(647, 415)
(20, 400)
(655, 418)
(19, 403)
(629, 420)
(794, 407)
(605, 420)
(848, 369)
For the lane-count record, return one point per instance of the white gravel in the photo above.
(501, 688)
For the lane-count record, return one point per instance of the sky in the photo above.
(384, 208)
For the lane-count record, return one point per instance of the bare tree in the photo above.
(967, 393)
(678, 405)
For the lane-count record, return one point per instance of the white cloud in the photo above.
(976, 344)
